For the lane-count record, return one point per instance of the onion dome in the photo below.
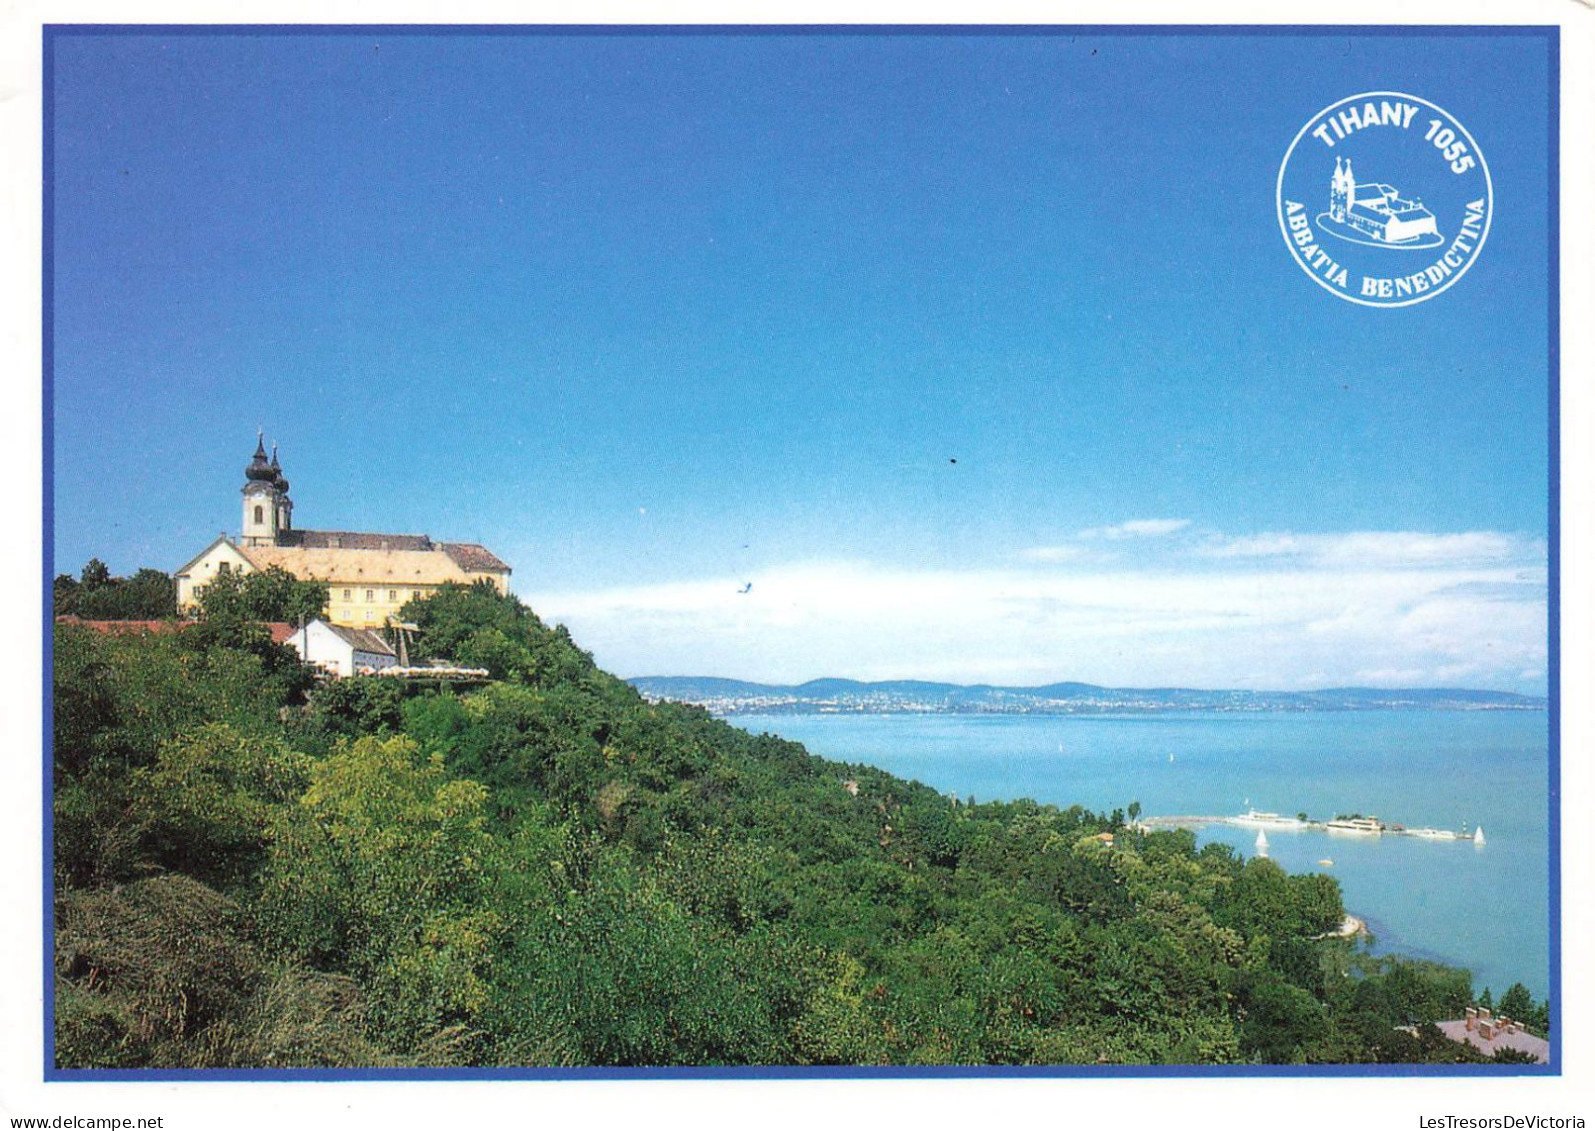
(259, 470)
(281, 480)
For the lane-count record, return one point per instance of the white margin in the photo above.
(1302, 1104)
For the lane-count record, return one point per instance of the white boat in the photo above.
(1256, 818)
(1262, 843)
(1478, 835)
(1436, 834)
(1368, 825)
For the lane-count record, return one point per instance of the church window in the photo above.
(260, 514)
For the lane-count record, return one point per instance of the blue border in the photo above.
(1553, 346)
(1552, 37)
(791, 1072)
(47, 596)
(761, 30)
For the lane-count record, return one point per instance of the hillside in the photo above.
(255, 871)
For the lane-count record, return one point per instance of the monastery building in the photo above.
(369, 576)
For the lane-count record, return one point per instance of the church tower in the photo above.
(264, 500)
(1341, 190)
(285, 505)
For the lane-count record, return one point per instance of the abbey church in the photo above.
(369, 576)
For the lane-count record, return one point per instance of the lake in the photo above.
(1486, 908)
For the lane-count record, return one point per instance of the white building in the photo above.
(1377, 210)
(342, 651)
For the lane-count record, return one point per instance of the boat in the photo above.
(1478, 835)
(1326, 862)
(1254, 817)
(1262, 843)
(1369, 825)
(1436, 834)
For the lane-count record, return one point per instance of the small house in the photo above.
(340, 650)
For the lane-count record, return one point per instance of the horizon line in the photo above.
(1097, 686)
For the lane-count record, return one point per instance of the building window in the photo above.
(224, 567)
(393, 594)
(346, 593)
(260, 514)
(369, 594)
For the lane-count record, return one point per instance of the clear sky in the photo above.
(979, 358)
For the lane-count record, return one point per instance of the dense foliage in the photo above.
(547, 870)
(270, 594)
(95, 595)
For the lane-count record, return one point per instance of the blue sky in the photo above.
(657, 316)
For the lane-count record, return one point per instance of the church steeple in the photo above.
(259, 471)
(266, 506)
(1342, 189)
(285, 506)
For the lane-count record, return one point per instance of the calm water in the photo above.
(1485, 908)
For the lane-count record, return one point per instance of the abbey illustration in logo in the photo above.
(1375, 214)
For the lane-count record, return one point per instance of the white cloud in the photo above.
(1053, 554)
(1138, 528)
(1380, 548)
(1349, 609)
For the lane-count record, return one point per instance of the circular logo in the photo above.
(1384, 199)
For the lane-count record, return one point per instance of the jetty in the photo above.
(1346, 826)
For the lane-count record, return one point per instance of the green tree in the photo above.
(119, 700)
(381, 872)
(1279, 1021)
(271, 594)
(148, 595)
(478, 626)
(1517, 1003)
(211, 797)
(235, 609)
(358, 706)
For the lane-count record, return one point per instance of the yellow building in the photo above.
(369, 577)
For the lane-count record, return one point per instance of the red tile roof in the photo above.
(474, 558)
(280, 631)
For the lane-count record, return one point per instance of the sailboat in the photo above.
(1262, 843)
(1478, 835)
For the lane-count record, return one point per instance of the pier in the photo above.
(1347, 826)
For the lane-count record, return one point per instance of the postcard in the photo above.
(619, 558)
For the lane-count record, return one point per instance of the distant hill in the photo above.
(908, 696)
